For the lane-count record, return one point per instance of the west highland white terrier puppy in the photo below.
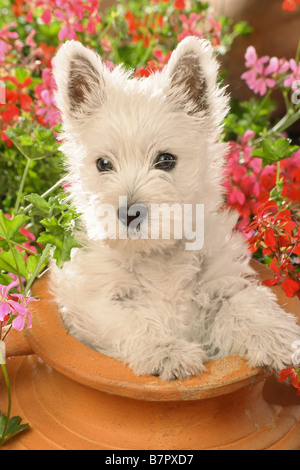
(138, 148)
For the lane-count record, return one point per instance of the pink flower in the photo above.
(242, 176)
(6, 34)
(251, 59)
(277, 66)
(29, 40)
(5, 307)
(47, 16)
(106, 44)
(236, 195)
(246, 137)
(46, 105)
(110, 65)
(22, 312)
(160, 57)
(5, 40)
(69, 31)
(291, 80)
(17, 308)
(190, 26)
(70, 13)
(68, 28)
(258, 78)
(92, 23)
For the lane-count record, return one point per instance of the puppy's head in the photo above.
(135, 146)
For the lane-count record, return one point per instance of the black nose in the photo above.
(128, 214)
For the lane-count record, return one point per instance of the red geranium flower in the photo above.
(24, 99)
(278, 233)
(290, 5)
(179, 4)
(145, 72)
(294, 372)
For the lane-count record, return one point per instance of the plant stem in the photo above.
(20, 192)
(285, 122)
(20, 246)
(146, 55)
(297, 57)
(6, 333)
(12, 249)
(278, 174)
(9, 398)
(44, 256)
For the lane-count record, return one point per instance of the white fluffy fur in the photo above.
(151, 303)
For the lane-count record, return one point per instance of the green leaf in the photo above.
(40, 203)
(5, 279)
(52, 225)
(57, 128)
(63, 243)
(13, 262)
(284, 149)
(69, 243)
(243, 28)
(11, 319)
(272, 152)
(33, 267)
(21, 74)
(14, 427)
(35, 145)
(252, 115)
(61, 237)
(9, 228)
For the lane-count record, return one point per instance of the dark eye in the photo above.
(165, 161)
(103, 164)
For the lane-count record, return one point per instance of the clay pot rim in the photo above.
(51, 342)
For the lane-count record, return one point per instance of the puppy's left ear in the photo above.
(192, 79)
(79, 75)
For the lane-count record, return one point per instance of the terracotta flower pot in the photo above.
(76, 398)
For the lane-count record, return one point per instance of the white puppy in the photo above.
(157, 303)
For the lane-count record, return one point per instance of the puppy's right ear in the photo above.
(78, 73)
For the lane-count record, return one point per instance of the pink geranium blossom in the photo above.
(258, 77)
(30, 39)
(5, 39)
(202, 25)
(5, 307)
(18, 309)
(71, 13)
(160, 57)
(293, 79)
(190, 26)
(265, 72)
(22, 312)
(45, 104)
(277, 66)
(242, 176)
(46, 16)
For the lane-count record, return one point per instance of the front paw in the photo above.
(173, 359)
(277, 352)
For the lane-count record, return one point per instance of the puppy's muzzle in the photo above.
(128, 214)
